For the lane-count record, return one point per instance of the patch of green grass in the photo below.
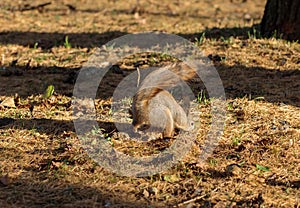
(254, 34)
(228, 41)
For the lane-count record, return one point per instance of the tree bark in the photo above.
(282, 18)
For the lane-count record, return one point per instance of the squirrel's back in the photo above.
(153, 94)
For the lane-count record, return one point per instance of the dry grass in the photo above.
(256, 163)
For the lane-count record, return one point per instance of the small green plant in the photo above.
(40, 59)
(48, 92)
(262, 168)
(165, 56)
(110, 112)
(249, 35)
(241, 164)
(230, 106)
(276, 35)
(112, 46)
(171, 178)
(201, 39)
(67, 44)
(97, 131)
(236, 141)
(201, 98)
(227, 40)
(254, 35)
(213, 161)
(127, 101)
(35, 46)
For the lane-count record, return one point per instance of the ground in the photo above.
(43, 164)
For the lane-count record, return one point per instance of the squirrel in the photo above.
(154, 107)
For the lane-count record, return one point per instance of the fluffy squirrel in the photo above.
(153, 106)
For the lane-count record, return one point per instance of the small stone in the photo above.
(233, 170)
(247, 17)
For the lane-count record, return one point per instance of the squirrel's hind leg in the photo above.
(169, 125)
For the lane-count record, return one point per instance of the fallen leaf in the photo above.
(171, 178)
(56, 164)
(262, 168)
(49, 91)
(8, 102)
(146, 193)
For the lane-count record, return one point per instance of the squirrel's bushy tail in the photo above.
(166, 77)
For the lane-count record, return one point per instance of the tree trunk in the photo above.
(282, 18)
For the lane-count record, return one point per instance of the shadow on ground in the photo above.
(42, 125)
(27, 192)
(40, 182)
(239, 81)
(49, 40)
(88, 40)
